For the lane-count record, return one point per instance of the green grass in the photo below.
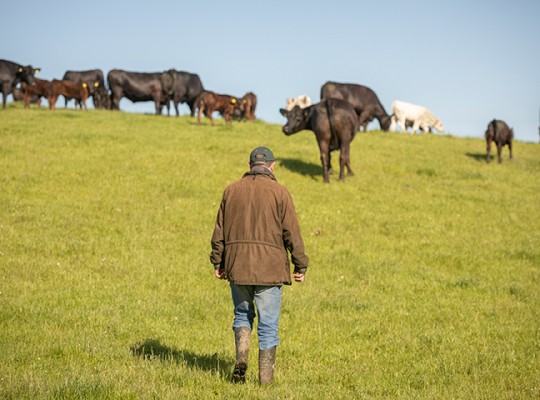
(424, 279)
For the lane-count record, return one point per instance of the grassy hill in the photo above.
(424, 277)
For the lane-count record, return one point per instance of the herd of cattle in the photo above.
(342, 110)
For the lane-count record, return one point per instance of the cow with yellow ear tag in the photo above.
(94, 79)
(11, 74)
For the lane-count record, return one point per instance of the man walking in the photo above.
(255, 227)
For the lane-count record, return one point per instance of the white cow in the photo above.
(302, 101)
(407, 114)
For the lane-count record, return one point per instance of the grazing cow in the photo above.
(11, 74)
(68, 89)
(40, 88)
(404, 114)
(226, 105)
(94, 79)
(18, 95)
(498, 132)
(301, 101)
(364, 100)
(334, 123)
(181, 87)
(136, 86)
(102, 99)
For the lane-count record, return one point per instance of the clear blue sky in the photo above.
(468, 61)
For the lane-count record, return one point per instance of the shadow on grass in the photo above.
(153, 349)
(301, 167)
(480, 156)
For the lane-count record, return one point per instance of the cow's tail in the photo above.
(333, 138)
(495, 133)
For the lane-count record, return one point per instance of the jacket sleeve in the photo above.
(218, 241)
(292, 239)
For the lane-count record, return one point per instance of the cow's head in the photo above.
(296, 119)
(93, 87)
(238, 105)
(438, 125)
(385, 122)
(26, 74)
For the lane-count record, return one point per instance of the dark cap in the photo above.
(261, 154)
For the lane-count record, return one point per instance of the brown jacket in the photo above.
(255, 226)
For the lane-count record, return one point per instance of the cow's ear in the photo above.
(283, 112)
(37, 70)
(96, 84)
(20, 69)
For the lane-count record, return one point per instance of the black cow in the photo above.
(93, 78)
(364, 100)
(11, 74)
(181, 87)
(102, 98)
(136, 86)
(498, 132)
(334, 123)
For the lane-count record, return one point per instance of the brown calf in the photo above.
(18, 95)
(70, 90)
(40, 88)
(208, 102)
(250, 103)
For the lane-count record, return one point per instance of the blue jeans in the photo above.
(268, 302)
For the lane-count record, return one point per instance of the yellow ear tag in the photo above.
(20, 69)
(96, 84)
(84, 85)
(233, 101)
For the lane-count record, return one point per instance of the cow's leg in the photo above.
(393, 123)
(208, 113)
(175, 103)
(510, 148)
(363, 120)
(343, 161)
(345, 154)
(201, 109)
(402, 125)
(325, 159)
(415, 126)
(52, 102)
(26, 98)
(330, 169)
(499, 151)
(192, 108)
(4, 97)
(115, 100)
(157, 104)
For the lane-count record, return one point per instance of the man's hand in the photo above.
(219, 273)
(298, 277)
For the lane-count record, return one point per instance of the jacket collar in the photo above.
(260, 170)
